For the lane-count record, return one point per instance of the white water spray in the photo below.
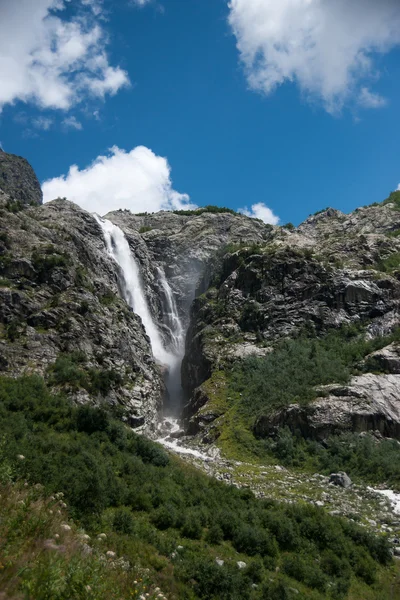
(172, 316)
(119, 250)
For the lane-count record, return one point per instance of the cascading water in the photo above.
(134, 294)
(118, 248)
(174, 323)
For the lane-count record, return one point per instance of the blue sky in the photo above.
(241, 104)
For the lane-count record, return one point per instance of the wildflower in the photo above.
(57, 536)
(65, 527)
(110, 554)
(20, 457)
(101, 536)
(85, 537)
(88, 588)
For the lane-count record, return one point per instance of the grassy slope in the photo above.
(148, 505)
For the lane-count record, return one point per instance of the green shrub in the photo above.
(394, 198)
(110, 475)
(123, 521)
(192, 525)
(45, 260)
(205, 209)
(145, 229)
(294, 370)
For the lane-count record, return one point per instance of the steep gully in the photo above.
(167, 352)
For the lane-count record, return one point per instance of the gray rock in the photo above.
(340, 479)
(241, 564)
(18, 180)
(369, 403)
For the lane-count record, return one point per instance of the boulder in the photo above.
(340, 479)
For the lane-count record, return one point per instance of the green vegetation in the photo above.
(205, 209)
(46, 259)
(389, 264)
(145, 229)
(362, 457)
(289, 226)
(70, 370)
(108, 298)
(161, 515)
(5, 239)
(394, 198)
(14, 206)
(44, 556)
(292, 372)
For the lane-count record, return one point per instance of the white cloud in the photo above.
(261, 211)
(138, 180)
(141, 2)
(42, 123)
(326, 46)
(72, 123)
(368, 99)
(51, 60)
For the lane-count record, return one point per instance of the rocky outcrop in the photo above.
(59, 297)
(333, 270)
(369, 403)
(183, 245)
(18, 180)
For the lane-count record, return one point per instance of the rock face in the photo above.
(183, 246)
(59, 297)
(18, 180)
(369, 403)
(333, 270)
(239, 286)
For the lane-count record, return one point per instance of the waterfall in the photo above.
(171, 315)
(174, 323)
(134, 294)
(119, 250)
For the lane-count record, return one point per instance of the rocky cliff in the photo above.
(335, 271)
(240, 287)
(18, 180)
(62, 316)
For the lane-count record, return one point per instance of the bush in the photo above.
(113, 478)
(215, 535)
(123, 521)
(145, 229)
(254, 540)
(192, 527)
(45, 260)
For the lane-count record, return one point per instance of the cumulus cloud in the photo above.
(326, 46)
(261, 211)
(52, 60)
(138, 180)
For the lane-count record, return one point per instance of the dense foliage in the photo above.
(361, 456)
(116, 481)
(295, 368)
(210, 208)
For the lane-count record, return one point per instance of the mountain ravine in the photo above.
(237, 286)
(107, 309)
